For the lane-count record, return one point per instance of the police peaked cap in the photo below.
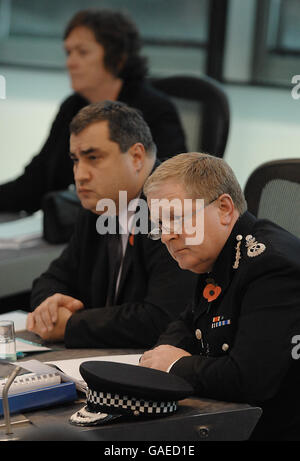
(117, 389)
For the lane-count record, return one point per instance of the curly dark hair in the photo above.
(119, 36)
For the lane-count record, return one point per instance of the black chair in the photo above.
(273, 192)
(210, 114)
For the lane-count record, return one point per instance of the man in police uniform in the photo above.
(235, 341)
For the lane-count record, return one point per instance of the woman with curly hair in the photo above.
(104, 63)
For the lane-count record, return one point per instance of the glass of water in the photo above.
(7, 340)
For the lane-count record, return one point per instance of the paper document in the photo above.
(22, 345)
(22, 232)
(19, 318)
(29, 381)
(43, 386)
(71, 367)
(35, 366)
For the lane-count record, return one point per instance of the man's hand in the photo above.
(57, 332)
(161, 357)
(44, 318)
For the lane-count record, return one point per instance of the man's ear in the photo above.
(122, 62)
(226, 209)
(137, 153)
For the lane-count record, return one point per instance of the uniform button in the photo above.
(225, 347)
(198, 334)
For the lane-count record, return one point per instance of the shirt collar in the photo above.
(134, 203)
(126, 216)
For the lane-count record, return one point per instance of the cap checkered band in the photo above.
(129, 404)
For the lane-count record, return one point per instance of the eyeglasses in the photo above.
(174, 225)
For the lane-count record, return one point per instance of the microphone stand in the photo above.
(6, 412)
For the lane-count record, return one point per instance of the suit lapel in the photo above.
(100, 283)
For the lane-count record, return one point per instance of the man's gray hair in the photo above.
(202, 176)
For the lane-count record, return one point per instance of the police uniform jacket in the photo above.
(52, 169)
(241, 327)
(152, 289)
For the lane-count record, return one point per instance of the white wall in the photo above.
(32, 100)
(264, 124)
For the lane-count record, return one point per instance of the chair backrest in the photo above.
(203, 107)
(273, 192)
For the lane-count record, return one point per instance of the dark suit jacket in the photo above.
(241, 342)
(52, 168)
(153, 290)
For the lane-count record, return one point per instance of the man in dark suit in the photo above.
(238, 341)
(109, 290)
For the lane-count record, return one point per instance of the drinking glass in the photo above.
(7, 341)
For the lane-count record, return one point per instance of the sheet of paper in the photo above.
(18, 317)
(71, 367)
(35, 366)
(26, 346)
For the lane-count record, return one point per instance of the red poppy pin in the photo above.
(131, 239)
(211, 291)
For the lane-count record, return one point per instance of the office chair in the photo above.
(273, 192)
(205, 98)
